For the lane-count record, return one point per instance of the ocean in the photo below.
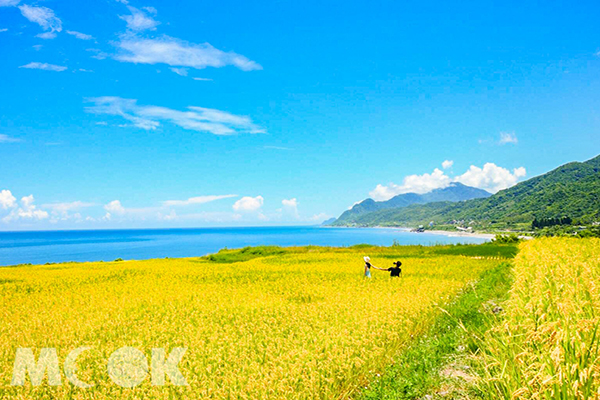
(39, 247)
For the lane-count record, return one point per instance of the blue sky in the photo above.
(117, 114)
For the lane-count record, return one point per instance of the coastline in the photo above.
(461, 234)
(488, 236)
(476, 235)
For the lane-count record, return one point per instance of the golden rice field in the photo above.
(299, 325)
(547, 345)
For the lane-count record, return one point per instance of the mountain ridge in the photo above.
(454, 192)
(572, 189)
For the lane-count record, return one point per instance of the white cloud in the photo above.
(3, 30)
(151, 10)
(203, 79)
(139, 20)
(412, 184)
(46, 35)
(62, 211)
(43, 16)
(100, 55)
(9, 3)
(508, 137)
(180, 71)
(7, 139)
(27, 211)
(447, 164)
(319, 217)
(80, 35)
(290, 203)
(7, 200)
(114, 207)
(197, 200)
(290, 207)
(263, 217)
(172, 216)
(248, 203)
(519, 172)
(491, 177)
(66, 207)
(44, 66)
(195, 118)
(178, 53)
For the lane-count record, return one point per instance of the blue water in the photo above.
(107, 245)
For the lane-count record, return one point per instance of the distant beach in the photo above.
(488, 236)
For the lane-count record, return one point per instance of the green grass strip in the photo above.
(416, 371)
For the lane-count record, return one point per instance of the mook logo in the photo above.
(126, 367)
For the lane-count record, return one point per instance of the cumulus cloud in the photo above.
(508, 137)
(412, 184)
(178, 53)
(43, 16)
(140, 20)
(7, 139)
(290, 207)
(44, 66)
(80, 35)
(491, 178)
(293, 203)
(27, 211)
(115, 207)
(197, 200)
(248, 204)
(194, 118)
(447, 164)
(7, 200)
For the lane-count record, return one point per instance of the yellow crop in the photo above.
(300, 325)
(547, 346)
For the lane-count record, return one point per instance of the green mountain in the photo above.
(455, 192)
(571, 190)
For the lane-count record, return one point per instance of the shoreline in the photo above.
(444, 233)
(461, 234)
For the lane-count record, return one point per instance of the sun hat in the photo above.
(367, 259)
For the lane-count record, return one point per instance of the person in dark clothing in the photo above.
(394, 271)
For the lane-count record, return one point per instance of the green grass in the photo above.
(245, 254)
(482, 250)
(226, 256)
(417, 371)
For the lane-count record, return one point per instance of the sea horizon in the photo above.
(40, 247)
